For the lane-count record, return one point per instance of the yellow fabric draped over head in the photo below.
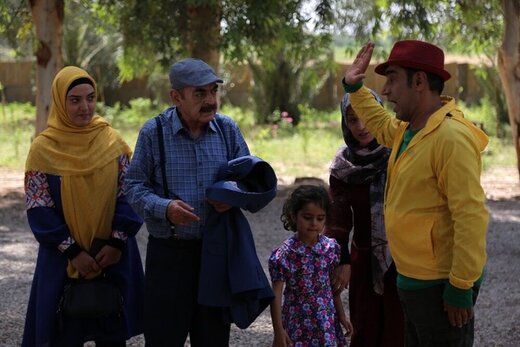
(86, 158)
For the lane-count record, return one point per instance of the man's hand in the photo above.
(458, 316)
(219, 206)
(356, 71)
(180, 213)
(107, 256)
(340, 278)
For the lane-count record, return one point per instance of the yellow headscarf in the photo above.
(86, 158)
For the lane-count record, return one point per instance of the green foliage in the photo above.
(466, 26)
(490, 82)
(243, 117)
(484, 114)
(499, 153)
(154, 33)
(162, 31)
(132, 116)
(15, 29)
(287, 76)
(285, 46)
(292, 64)
(305, 150)
(16, 131)
(91, 43)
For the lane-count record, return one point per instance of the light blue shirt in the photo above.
(191, 166)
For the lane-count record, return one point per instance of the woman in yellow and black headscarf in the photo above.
(78, 213)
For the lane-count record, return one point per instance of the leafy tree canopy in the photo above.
(465, 26)
(162, 30)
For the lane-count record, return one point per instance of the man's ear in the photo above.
(175, 96)
(420, 80)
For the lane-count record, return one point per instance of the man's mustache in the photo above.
(211, 108)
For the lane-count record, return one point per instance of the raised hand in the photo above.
(356, 71)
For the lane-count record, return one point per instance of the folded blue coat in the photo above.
(231, 275)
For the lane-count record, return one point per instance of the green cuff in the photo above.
(351, 88)
(457, 297)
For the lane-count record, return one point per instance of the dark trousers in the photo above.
(426, 322)
(110, 344)
(171, 289)
(377, 319)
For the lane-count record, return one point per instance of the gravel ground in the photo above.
(497, 309)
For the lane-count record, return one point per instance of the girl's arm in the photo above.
(281, 339)
(340, 312)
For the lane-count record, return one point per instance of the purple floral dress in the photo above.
(308, 312)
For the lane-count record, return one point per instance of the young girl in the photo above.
(310, 315)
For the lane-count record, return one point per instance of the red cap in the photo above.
(417, 55)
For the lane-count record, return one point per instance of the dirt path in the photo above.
(497, 309)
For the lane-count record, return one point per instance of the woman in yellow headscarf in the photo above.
(78, 213)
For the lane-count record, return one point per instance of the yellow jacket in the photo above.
(435, 213)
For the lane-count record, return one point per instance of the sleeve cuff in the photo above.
(351, 88)
(345, 255)
(72, 251)
(116, 243)
(161, 208)
(457, 297)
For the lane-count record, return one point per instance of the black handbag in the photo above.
(95, 298)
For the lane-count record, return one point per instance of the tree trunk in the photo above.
(204, 32)
(48, 22)
(509, 68)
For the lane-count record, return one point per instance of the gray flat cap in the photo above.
(191, 72)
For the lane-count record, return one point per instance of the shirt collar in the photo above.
(321, 247)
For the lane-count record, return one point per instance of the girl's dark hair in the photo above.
(300, 197)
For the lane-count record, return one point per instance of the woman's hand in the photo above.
(219, 206)
(107, 256)
(340, 278)
(85, 264)
(347, 325)
(281, 339)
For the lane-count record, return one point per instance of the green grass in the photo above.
(305, 154)
(16, 131)
(304, 151)
(499, 153)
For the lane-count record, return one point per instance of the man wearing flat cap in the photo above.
(435, 215)
(177, 157)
